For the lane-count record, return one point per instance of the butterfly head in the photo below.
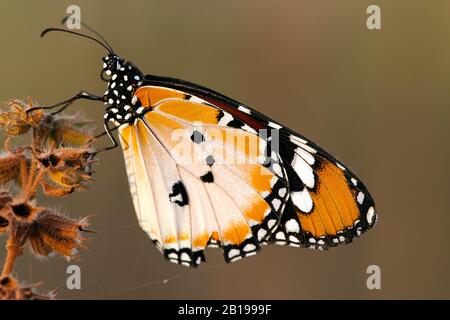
(123, 79)
(122, 76)
(112, 63)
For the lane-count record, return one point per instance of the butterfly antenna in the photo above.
(63, 21)
(43, 33)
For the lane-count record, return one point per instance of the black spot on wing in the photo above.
(197, 137)
(207, 177)
(235, 123)
(179, 194)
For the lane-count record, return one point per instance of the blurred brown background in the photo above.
(378, 100)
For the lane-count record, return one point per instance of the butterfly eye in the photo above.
(105, 75)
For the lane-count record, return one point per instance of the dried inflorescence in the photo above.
(16, 121)
(66, 170)
(58, 157)
(10, 289)
(46, 230)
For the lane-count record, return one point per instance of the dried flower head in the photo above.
(17, 121)
(66, 170)
(53, 232)
(46, 230)
(10, 289)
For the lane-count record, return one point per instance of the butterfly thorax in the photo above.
(123, 79)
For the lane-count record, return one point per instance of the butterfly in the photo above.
(205, 170)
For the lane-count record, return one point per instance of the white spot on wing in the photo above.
(292, 226)
(276, 203)
(305, 155)
(370, 215)
(302, 199)
(172, 255)
(233, 253)
(261, 234)
(303, 170)
(184, 256)
(249, 247)
(360, 197)
(296, 139)
(244, 109)
(280, 236)
(274, 125)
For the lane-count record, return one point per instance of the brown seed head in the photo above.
(17, 121)
(53, 232)
(10, 289)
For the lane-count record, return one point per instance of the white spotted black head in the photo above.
(123, 79)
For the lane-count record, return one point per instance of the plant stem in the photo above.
(12, 253)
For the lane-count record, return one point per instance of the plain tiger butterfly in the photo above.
(266, 184)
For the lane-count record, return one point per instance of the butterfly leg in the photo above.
(105, 133)
(64, 104)
(108, 131)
